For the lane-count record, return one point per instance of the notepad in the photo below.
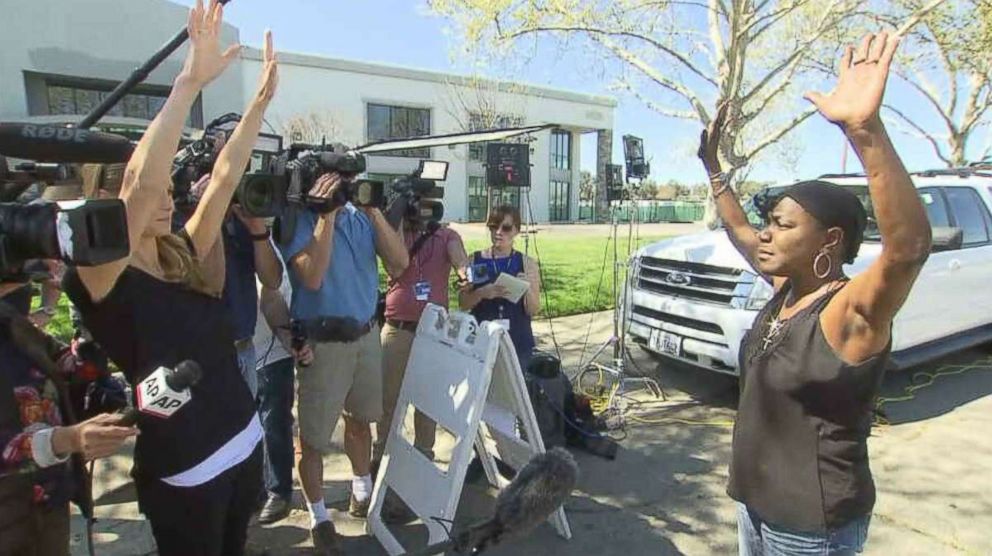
(515, 287)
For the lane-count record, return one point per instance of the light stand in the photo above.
(618, 340)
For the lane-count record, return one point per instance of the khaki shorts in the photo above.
(344, 377)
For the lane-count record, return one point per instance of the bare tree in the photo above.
(682, 58)
(476, 103)
(943, 63)
(313, 127)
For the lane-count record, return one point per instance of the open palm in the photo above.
(205, 60)
(856, 99)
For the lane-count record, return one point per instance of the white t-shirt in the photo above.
(268, 348)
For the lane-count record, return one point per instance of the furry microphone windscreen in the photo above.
(539, 488)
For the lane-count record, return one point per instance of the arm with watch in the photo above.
(268, 266)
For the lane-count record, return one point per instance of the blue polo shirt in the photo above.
(351, 283)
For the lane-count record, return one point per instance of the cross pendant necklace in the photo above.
(774, 327)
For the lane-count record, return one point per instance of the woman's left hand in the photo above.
(855, 101)
(270, 74)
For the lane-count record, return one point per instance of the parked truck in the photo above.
(692, 298)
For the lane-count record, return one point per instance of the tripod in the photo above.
(618, 340)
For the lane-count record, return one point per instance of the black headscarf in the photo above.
(833, 207)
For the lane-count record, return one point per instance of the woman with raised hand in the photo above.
(198, 473)
(812, 364)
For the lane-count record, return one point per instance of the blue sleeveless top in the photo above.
(499, 309)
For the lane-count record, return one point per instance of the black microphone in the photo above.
(163, 393)
(51, 143)
(539, 488)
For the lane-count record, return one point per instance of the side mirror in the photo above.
(946, 239)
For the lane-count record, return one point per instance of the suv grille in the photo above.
(695, 281)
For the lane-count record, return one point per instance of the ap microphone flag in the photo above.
(164, 392)
(52, 143)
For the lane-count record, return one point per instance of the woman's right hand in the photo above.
(709, 141)
(94, 438)
(492, 291)
(205, 61)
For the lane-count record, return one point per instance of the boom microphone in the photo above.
(51, 143)
(164, 392)
(539, 488)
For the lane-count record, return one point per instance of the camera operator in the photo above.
(332, 259)
(37, 436)
(197, 473)
(248, 250)
(434, 252)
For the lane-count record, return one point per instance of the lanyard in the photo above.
(495, 264)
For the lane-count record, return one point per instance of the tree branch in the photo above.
(664, 111)
(922, 133)
(773, 137)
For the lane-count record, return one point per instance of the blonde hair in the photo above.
(180, 264)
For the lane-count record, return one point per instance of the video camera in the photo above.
(292, 174)
(415, 197)
(82, 233)
(197, 158)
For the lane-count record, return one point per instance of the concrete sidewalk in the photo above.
(664, 493)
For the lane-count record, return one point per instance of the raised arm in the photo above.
(148, 174)
(312, 262)
(389, 244)
(857, 322)
(728, 206)
(204, 226)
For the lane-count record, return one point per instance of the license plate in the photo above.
(666, 342)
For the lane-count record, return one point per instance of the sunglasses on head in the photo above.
(506, 228)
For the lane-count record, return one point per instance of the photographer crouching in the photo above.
(334, 274)
(197, 473)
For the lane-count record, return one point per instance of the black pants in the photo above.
(206, 520)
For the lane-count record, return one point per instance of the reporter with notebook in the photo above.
(488, 301)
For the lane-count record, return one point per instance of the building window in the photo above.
(476, 122)
(970, 214)
(561, 149)
(77, 97)
(558, 207)
(399, 122)
(478, 200)
(499, 196)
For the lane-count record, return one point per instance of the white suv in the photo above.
(692, 298)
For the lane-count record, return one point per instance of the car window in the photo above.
(970, 214)
(936, 207)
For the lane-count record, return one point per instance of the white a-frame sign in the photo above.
(465, 377)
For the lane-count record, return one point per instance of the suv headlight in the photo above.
(761, 294)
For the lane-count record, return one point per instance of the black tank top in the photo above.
(800, 451)
(146, 323)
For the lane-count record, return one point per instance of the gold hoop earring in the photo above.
(816, 264)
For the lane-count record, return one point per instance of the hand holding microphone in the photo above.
(163, 393)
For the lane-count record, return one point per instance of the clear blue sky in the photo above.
(403, 32)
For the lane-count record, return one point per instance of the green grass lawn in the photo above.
(572, 269)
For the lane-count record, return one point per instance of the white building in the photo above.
(60, 57)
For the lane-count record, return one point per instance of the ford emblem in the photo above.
(678, 279)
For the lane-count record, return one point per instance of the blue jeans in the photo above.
(759, 538)
(246, 364)
(275, 408)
